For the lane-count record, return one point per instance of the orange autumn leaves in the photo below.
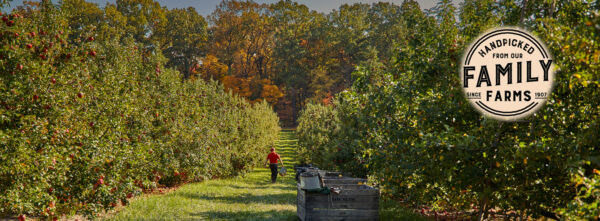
(239, 53)
(251, 87)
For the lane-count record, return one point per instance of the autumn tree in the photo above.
(299, 61)
(242, 39)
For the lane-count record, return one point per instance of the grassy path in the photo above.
(251, 197)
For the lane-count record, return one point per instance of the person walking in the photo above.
(272, 159)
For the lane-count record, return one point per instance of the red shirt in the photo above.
(273, 157)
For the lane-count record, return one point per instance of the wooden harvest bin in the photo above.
(333, 181)
(354, 202)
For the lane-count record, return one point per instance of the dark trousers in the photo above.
(273, 167)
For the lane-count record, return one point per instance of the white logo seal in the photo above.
(507, 74)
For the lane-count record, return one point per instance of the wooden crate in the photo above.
(325, 173)
(327, 181)
(355, 202)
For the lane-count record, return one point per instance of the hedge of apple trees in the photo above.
(85, 125)
(313, 133)
(408, 125)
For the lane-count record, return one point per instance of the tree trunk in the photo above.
(552, 8)
(482, 209)
(523, 9)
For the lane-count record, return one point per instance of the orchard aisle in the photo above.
(251, 197)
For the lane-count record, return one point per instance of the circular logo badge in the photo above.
(507, 74)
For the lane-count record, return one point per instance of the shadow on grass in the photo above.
(280, 198)
(250, 196)
(257, 186)
(246, 215)
(394, 211)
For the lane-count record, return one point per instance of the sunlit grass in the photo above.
(251, 197)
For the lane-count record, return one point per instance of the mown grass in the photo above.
(393, 211)
(249, 197)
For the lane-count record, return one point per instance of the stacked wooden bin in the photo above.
(355, 200)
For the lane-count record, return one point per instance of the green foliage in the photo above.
(248, 197)
(585, 206)
(423, 142)
(184, 38)
(86, 124)
(315, 128)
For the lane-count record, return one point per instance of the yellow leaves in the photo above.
(584, 83)
(211, 68)
(525, 160)
(271, 93)
(255, 90)
(597, 172)
(497, 164)
(240, 86)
